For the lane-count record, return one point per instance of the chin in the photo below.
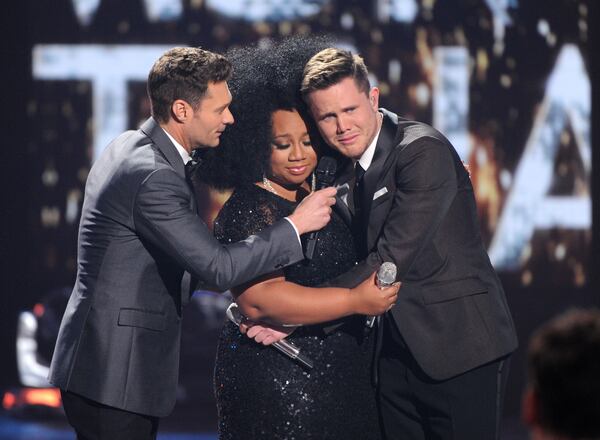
(354, 152)
(296, 180)
(348, 151)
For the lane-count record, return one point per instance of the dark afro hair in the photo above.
(266, 77)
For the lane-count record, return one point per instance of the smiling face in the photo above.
(346, 116)
(210, 118)
(293, 158)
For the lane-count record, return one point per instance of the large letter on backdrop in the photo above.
(528, 205)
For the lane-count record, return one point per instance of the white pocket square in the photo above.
(379, 193)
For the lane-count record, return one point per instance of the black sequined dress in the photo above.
(261, 394)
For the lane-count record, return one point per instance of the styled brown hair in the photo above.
(332, 65)
(183, 73)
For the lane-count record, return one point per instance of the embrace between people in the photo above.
(435, 363)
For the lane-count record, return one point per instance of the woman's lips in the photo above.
(297, 170)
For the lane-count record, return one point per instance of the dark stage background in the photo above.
(509, 81)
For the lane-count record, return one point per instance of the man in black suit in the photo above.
(442, 349)
(117, 354)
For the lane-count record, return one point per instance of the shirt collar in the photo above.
(367, 157)
(185, 156)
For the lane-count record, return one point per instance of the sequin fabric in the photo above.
(261, 394)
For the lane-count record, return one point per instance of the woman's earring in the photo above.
(313, 183)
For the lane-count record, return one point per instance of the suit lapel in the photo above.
(343, 210)
(164, 144)
(345, 172)
(168, 150)
(385, 145)
(344, 180)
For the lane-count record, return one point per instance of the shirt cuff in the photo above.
(295, 229)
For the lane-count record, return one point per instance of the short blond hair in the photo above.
(331, 66)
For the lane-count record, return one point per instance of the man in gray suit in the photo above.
(442, 348)
(117, 354)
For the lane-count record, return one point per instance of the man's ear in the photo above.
(374, 98)
(180, 110)
(529, 407)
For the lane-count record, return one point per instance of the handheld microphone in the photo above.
(386, 276)
(325, 176)
(286, 347)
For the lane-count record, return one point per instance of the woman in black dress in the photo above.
(268, 157)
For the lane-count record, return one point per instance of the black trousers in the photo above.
(94, 421)
(416, 407)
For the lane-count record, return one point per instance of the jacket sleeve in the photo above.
(162, 215)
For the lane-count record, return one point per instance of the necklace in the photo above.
(268, 186)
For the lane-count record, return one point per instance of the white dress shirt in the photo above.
(185, 156)
(367, 157)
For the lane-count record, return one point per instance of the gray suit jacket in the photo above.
(119, 339)
(451, 309)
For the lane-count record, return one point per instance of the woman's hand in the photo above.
(371, 300)
(265, 334)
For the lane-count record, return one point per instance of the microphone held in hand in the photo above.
(386, 276)
(325, 176)
(286, 347)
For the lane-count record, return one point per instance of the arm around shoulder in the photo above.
(163, 215)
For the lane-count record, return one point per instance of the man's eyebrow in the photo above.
(324, 115)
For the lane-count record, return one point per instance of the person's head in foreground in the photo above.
(562, 399)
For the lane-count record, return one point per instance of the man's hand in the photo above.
(371, 300)
(314, 212)
(265, 334)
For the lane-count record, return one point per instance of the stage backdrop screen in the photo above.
(507, 81)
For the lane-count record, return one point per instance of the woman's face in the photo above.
(293, 158)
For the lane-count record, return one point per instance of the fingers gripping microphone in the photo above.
(325, 175)
(386, 276)
(286, 347)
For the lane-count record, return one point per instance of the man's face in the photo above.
(211, 117)
(346, 116)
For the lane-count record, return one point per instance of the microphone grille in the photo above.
(328, 164)
(386, 275)
(325, 172)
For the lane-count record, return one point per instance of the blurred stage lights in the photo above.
(31, 397)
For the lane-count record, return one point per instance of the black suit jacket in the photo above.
(451, 309)
(119, 339)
